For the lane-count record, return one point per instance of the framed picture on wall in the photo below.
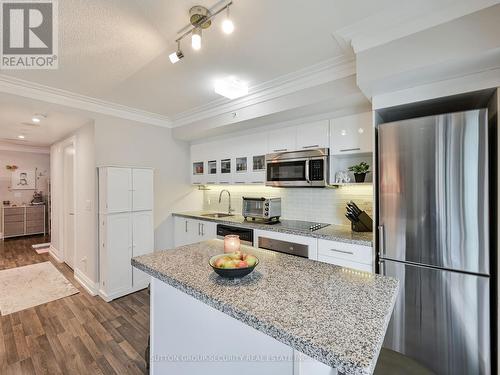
(23, 179)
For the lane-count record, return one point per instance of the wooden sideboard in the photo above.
(23, 220)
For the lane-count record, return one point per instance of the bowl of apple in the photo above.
(233, 265)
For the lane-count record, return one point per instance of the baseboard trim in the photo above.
(121, 293)
(52, 252)
(90, 286)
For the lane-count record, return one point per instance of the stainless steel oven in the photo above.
(308, 168)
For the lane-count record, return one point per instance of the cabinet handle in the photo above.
(281, 150)
(312, 146)
(351, 149)
(186, 225)
(257, 182)
(202, 229)
(199, 229)
(342, 251)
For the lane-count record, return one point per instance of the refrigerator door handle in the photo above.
(381, 241)
(381, 267)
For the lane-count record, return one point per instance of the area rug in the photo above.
(33, 285)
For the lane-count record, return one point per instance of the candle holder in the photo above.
(231, 243)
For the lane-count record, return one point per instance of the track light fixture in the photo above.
(176, 56)
(201, 18)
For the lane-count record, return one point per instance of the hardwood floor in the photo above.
(79, 334)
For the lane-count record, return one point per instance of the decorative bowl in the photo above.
(231, 273)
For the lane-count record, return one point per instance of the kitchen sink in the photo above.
(217, 215)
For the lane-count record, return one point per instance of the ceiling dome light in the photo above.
(196, 38)
(231, 87)
(37, 118)
(21, 136)
(227, 24)
(176, 56)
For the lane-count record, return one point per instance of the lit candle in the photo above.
(231, 243)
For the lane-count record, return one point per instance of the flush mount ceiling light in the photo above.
(200, 18)
(20, 136)
(37, 118)
(231, 87)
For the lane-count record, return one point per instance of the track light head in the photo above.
(196, 38)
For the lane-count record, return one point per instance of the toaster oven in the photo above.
(261, 208)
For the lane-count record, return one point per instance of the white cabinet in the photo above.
(284, 139)
(116, 252)
(313, 135)
(142, 242)
(351, 134)
(354, 256)
(126, 228)
(115, 190)
(188, 231)
(142, 186)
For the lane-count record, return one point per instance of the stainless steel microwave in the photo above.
(307, 168)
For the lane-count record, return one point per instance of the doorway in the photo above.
(69, 221)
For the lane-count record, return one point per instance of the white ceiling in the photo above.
(117, 50)
(15, 119)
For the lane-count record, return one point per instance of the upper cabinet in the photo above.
(281, 140)
(241, 159)
(351, 134)
(313, 135)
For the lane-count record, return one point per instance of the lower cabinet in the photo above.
(187, 231)
(354, 256)
(358, 257)
(121, 237)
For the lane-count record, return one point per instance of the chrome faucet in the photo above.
(229, 210)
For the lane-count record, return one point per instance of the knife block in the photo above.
(365, 223)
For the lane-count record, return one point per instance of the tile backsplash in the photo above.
(325, 205)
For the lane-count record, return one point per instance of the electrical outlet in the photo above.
(84, 261)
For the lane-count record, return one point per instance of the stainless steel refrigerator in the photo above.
(434, 236)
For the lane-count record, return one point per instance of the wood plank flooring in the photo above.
(79, 334)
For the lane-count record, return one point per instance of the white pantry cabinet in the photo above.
(187, 231)
(126, 228)
(351, 134)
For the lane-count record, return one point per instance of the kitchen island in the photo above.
(290, 316)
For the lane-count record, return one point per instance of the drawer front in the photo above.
(14, 219)
(346, 251)
(13, 229)
(34, 229)
(345, 263)
(38, 210)
(13, 211)
(31, 216)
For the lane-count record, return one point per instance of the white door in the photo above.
(281, 140)
(313, 135)
(142, 189)
(208, 230)
(118, 250)
(119, 190)
(69, 207)
(142, 243)
(182, 229)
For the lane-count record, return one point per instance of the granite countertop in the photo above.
(335, 315)
(341, 233)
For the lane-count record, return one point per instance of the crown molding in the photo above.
(403, 20)
(44, 93)
(314, 75)
(11, 146)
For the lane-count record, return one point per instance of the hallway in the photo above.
(79, 334)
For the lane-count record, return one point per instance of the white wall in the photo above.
(24, 160)
(128, 143)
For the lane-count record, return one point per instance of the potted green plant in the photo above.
(360, 170)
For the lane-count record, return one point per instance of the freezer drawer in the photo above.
(441, 319)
